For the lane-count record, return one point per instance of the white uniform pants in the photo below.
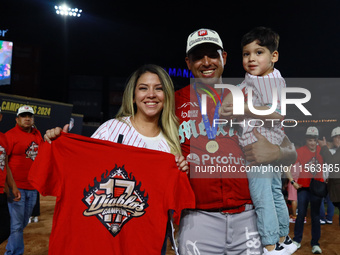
(208, 233)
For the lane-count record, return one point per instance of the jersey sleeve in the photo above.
(44, 174)
(102, 132)
(181, 195)
(268, 87)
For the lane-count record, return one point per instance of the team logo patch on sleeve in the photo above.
(115, 199)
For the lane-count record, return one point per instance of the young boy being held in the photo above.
(264, 83)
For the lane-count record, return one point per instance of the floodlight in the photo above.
(64, 10)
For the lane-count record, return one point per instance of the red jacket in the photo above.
(226, 188)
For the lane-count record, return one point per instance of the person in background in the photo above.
(23, 143)
(326, 218)
(309, 159)
(292, 187)
(332, 158)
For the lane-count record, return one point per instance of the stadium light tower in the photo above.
(65, 10)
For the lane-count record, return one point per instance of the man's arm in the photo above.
(264, 152)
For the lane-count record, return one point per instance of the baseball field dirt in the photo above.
(36, 235)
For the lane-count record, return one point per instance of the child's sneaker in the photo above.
(292, 219)
(289, 245)
(305, 221)
(279, 250)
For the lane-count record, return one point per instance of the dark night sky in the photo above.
(113, 38)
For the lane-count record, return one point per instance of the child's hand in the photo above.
(296, 185)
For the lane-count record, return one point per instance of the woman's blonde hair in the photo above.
(168, 121)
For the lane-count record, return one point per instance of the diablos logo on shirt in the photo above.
(32, 151)
(115, 199)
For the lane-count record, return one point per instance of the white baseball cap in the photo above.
(312, 131)
(25, 109)
(335, 131)
(203, 35)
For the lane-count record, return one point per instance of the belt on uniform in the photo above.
(233, 210)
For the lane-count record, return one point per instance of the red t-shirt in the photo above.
(3, 170)
(111, 198)
(310, 164)
(219, 189)
(22, 150)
